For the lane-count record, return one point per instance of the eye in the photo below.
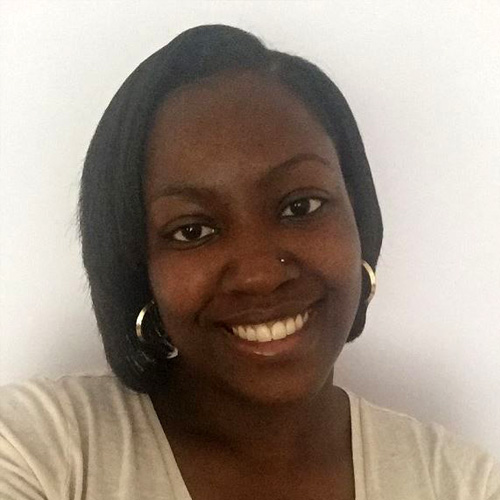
(191, 233)
(303, 207)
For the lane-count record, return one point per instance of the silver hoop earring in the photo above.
(139, 331)
(373, 281)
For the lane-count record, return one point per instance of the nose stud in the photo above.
(291, 271)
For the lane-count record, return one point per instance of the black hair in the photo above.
(111, 206)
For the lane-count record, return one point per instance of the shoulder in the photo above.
(46, 426)
(68, 401)
(449, 463)
(51, 397)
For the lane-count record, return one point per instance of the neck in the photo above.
(311, 430)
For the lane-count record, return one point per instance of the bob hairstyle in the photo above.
(111, 206)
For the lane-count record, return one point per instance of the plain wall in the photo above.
(423, 80)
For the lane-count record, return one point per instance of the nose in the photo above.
(258, 265)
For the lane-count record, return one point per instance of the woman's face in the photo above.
(239, 176)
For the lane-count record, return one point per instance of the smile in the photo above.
(272, 330)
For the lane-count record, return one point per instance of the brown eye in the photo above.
(302, 207)
(192, 232)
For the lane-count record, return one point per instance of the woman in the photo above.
(230, 228)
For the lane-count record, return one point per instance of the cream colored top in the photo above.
(89, 437)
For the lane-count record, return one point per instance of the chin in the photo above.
(278, 389)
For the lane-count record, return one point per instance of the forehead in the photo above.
(231, 125)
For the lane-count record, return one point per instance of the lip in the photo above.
(276, 350)
(259, 316)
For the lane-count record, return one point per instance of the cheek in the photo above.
(178, 285)
(335, 258)
(334, 252)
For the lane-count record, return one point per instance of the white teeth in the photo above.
(299, 322)
(264, 333)
(278, 330)
(290, 326)
(251, 334)
(273, 330)
(242, 332)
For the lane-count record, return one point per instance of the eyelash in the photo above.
(171, 235)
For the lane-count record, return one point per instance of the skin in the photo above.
(251, 426)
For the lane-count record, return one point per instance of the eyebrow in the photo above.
(185, 190)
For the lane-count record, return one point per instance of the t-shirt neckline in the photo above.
(179, 486)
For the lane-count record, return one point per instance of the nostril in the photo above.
(258, 273)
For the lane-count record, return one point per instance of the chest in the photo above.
(272, 489)
(214, 480)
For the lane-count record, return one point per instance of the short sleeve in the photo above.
(33, 442)
(493, 487)
(401, 457)
(479, 472)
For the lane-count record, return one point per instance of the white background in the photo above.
(423, 79)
